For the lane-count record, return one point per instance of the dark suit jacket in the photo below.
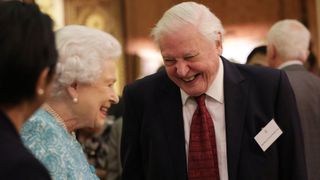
(306, 88)
(16, 162)
(153, 143)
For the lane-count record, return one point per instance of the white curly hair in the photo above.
(189, 13)
(290, 38)
(82, 52)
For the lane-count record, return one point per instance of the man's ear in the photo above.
(305, 56)
(271, 55)
(219, 43)
(273, 52)
(42, 82)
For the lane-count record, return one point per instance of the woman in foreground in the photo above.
(82, 93)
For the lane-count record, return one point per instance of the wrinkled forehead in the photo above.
(176, 29)
(184, 40)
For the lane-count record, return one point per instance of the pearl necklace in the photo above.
(57, 117)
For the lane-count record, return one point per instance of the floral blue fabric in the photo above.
(57, 149)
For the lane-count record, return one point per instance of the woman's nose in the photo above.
(114, 99)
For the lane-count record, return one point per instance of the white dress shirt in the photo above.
(215, 105)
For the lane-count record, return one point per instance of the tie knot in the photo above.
(201, 99)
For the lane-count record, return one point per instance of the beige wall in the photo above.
(105, 15)
(318, 28)
(247, 20)
(130, 21)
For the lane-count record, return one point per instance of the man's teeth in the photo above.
(189, 78)
(105, 109)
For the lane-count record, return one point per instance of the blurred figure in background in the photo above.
(27, 63)
(82, 94)
(114, 169)
(258, 56)
(312, 64)
(113, 165)
(288, 42)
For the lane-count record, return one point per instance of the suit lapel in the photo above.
(171, 112)
(235, 93)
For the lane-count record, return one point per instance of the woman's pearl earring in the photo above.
(75, 100)
(40, 92)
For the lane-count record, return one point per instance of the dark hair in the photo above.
(258, 50)
(27, 47)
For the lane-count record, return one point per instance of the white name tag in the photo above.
(268, 135)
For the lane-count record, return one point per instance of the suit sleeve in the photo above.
(131, 158)
(28, 169)
(291, 148)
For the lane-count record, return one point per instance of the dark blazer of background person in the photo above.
(27, 61)
(153, 143)
(306, 87)
(285, 53)
(114, 169)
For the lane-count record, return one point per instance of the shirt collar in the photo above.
(288, 63)
(215, 91)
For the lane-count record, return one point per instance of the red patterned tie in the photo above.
(202, 159)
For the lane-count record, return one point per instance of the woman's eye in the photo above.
(110, 85)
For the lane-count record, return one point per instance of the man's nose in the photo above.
(182, 69)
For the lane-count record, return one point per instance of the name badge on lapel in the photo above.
(268, 135)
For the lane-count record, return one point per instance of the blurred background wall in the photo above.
(130, 21)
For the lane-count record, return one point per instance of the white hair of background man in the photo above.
(82, 53)
(189, 13)
(290, 38)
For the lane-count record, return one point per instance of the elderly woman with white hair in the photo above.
(82, 93)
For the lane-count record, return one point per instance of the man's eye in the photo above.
(190, 56)
(169, 62)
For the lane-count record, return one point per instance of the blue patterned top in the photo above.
(57, 149)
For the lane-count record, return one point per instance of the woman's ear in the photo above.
(73, 91)
(42, 82)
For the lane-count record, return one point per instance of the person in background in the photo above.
(288, 42)
(258, 56)
(82, 94)
(114, 169)
(28, 58)
(94, 147)
(205, 117)
(311, 64)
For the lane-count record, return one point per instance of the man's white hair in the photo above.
(290, 38)
(82, 54)
(192, 13)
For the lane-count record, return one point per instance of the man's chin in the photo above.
(193, 92)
